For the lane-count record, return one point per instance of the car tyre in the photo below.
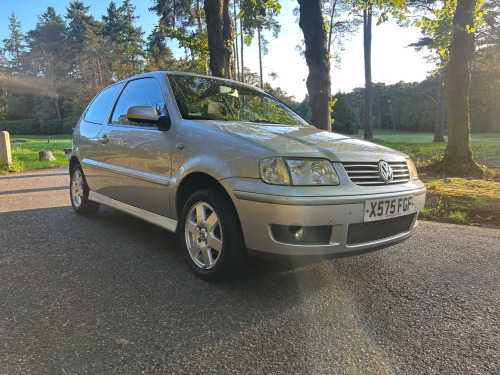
(211, 236)
(79, 192)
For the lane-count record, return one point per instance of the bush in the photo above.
(20, 127)
(33, 127)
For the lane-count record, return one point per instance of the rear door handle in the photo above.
(104, 139)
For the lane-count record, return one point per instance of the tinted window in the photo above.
(144, 91)
(99, 108)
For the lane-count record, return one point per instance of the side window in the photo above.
(99, 108)
(145, 91)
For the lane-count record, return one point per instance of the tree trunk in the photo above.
(367, 46)
(198, 17)
(236, 42)
(56, 103)
(242, 43)
(458, 159)
(260, 59)
(440, 107)
(318, 62)
(330, 31)
(220, 35)
(379, 116)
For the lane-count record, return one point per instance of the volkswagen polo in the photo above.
(235, 172)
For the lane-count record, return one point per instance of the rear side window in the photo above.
(99, 108)
(145, 91)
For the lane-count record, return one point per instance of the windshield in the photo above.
(200, 98)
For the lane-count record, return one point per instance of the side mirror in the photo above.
(148, 114)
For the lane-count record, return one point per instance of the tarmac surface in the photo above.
(109, 294)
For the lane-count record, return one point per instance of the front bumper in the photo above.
(258, 213)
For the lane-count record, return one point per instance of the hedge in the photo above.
(35, 127)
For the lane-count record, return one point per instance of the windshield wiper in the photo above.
(262, 121)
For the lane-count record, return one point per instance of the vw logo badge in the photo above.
(385, 171)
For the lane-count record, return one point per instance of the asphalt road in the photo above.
(108, 293)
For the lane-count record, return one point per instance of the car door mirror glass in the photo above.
(143, 113)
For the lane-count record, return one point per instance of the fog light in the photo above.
(299, 235)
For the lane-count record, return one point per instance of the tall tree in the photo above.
(125, 39)
(257, 16)
(15, 45)
(317, 59)
(220, 35)
(49, 54)
(437, 29)
(367, 50)
(90, 51)
(368, 7)
(458, 158)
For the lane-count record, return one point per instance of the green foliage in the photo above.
(259, 14)
(344, 118)
(125, 39)
(195, 42)
(35, 127)
(458, 217)
(55, 69)
(15, 45)
(385, 8)
(400, 106)
(304, 108)
(438, 27)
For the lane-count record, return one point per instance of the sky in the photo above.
(392, 60)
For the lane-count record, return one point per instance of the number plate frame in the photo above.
(380, 209)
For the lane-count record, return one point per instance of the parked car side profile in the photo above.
(236, 172)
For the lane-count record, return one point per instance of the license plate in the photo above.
(379, 209)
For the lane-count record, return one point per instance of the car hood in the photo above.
(306, 141)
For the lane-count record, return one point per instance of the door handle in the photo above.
(104, 139)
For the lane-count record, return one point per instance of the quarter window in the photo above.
(145, 91)
(101, 105)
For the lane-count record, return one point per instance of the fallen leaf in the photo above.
(121, 342)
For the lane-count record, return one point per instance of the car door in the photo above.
(136, 157)
(89, 129)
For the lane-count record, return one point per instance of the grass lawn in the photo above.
(462, 201)
(419, 146)
(25, 152)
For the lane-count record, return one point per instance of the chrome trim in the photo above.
(149, 177)
(150, 217)
(366, 173)
(318, 201)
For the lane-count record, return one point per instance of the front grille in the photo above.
(367, 174)
(377, 230)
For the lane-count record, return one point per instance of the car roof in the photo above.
(178, 73)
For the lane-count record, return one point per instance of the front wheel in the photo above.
(211, 236)
(79, 192)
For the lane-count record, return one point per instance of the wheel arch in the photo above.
(196, 181)
(72, 162)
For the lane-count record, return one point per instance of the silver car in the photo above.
(235, 172)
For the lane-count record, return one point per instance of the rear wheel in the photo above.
(79, 192)
(211, 236)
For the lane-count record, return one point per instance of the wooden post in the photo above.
(5, 149)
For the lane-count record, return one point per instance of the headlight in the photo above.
(412, 169)
(280, 171)
(274, 171)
